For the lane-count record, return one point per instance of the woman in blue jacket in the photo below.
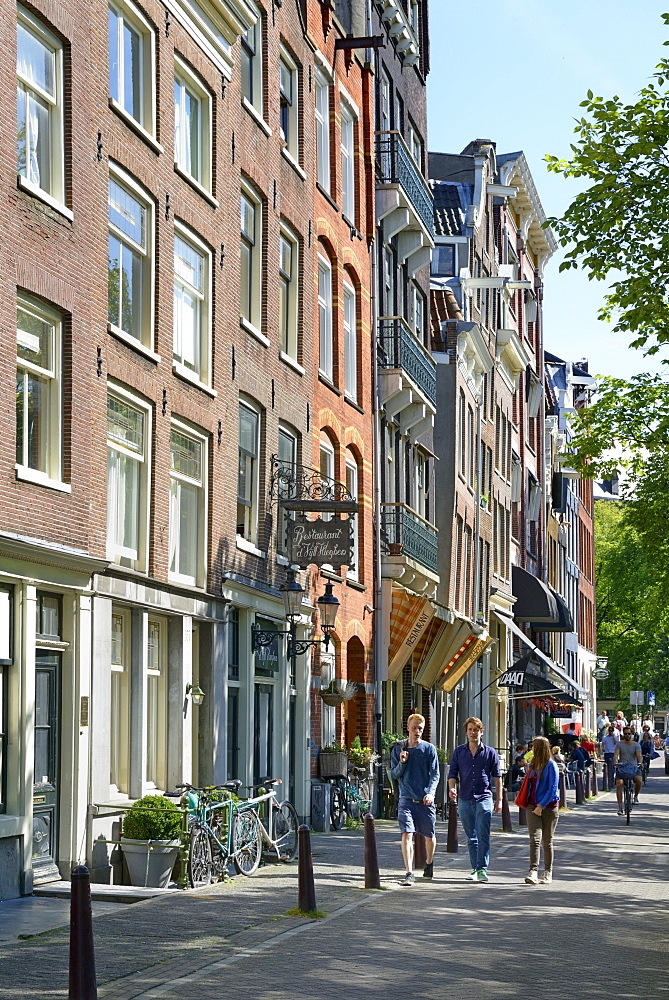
(543, 803)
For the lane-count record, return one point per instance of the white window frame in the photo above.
(54, 192)
(146, 253)
(326, 466)
(350, 342)
(289, 434)
(156, 704)
(124, 11)
(418, 309)
(132, 558)
(352, 485)
(251, 510)
(322, 114)
(179, 481)
(250, 295)
(251, 55)
(348, 187)
(48, 471)
(289, 99)
(289, 290)
(325, 324)
(199, 368)
(420, 487)
(185, 80)
(119, 712)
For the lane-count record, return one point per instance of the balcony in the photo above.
(395, 166)
(409, 545)
(407, 376)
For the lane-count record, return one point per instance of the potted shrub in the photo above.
(363, 757)
(151, 840)
(388, 741)
(333, 761)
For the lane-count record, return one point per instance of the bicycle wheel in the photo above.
(337, 808)
(199, 858)
(628, 801)
(285, 830)
(365, 793)
(246, 841)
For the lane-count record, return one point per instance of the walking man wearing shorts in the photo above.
(414, 765)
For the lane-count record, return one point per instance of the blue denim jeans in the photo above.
(476, 818)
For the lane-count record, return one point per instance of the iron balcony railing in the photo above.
(403, 532)
(395, 165)
(398, 348)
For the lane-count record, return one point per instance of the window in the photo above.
(350, 343)
(443, 260)
(192, 126)
(251, 254)
(353, 572)
(420, 497)
(388, 281)
(131, 62)
(39, 108)
(288, 292)
(415, 144)
(347, 163)
(192, 305)
(38, 392)
(462, 450)
(413, 16)
(288, 104)
(247, 480)
(325, 363)
(251, 66)
(188, 462)
(327, 470)
(417, 311)
(120, 701)
(128, 440)
(323, 131)
(287, 455)
(156, 704)
(129, 261)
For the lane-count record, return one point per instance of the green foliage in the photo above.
(619, 227)
(388, 739)
(333, 748)
(152, 818)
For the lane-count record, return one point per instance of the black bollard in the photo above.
(578, 781)
(522, 817)
(606, 777)
(594, 791)
(586, 783)
(452, 833)
(507, 826)
(82, 956)
(306, 891)
(372, 877)
(563, 791)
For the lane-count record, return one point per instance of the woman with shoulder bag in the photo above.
(543, 801)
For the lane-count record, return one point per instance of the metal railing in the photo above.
(395, 165)
(398, 348)
(403, 532)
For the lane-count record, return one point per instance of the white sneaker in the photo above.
(546, 877)
(472, 875)
(532, 877)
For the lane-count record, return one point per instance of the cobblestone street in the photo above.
(448, 937)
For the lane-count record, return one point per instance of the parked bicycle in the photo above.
(350, 796)
(223, 829)
(278, 820)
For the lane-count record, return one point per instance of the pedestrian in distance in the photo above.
(620, 722)
(558, 757)
(415, 767)
(603, 723)
(542, 810)
(476, 767)
(609, 743)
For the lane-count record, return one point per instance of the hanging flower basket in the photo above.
(331, 698)
(337, 692)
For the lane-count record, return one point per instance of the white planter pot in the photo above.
(150, 862)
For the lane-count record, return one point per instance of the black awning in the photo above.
(538, 604)
(548, 690)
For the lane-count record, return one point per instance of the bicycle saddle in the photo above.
(232, 786)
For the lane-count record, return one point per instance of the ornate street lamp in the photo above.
(292, 594)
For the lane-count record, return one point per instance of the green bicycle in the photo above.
(223, 829)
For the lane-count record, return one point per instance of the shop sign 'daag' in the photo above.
(320, 542)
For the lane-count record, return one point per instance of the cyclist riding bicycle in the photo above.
(627, 760)
(647, 746)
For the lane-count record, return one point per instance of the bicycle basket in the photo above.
(332, 765)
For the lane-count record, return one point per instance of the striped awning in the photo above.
(409, 618)
(451, 654)
(462, 660)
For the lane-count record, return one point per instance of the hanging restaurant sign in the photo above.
(320, 542)
(300, 488)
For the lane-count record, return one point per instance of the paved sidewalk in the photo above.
(446, 938)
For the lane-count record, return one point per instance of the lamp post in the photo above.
(292, 594)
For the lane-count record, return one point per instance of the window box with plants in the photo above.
(151, 840)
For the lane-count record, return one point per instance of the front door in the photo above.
(263, 735)
(47, 755)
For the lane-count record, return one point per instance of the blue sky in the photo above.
(515, 71)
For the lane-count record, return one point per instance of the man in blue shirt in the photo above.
(414, 765)
(476, 766)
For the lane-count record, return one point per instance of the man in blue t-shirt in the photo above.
(476, 766)
(415, 766)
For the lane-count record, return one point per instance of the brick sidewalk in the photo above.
(153, 948)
